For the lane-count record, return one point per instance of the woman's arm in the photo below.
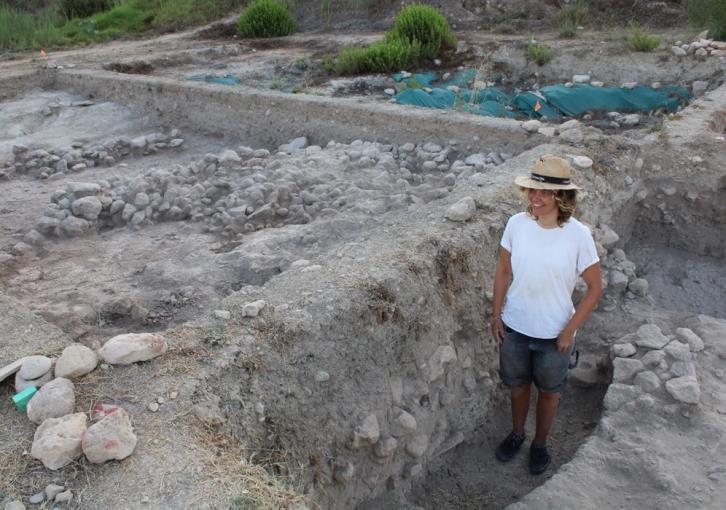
(502, 278)
(592, 278)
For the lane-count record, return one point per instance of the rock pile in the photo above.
(618, 273)
(62, 436)
(649, 362)
(44, 164)
(700, 48)
(241, 191)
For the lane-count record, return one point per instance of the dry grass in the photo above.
(718, 122)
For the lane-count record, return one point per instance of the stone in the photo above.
(112, 438)
(582, 162)
(322, 376)
(531, 126)
(87, 208)
(74, 227)
(132, 347)
(462, 210)
(443, 355)
(694, 341)
(403, 424)
(678, 51)
(14, 505)
(77, 360)
(57, 442)
(82, 189)
(417, 445)
(625, 368)
(34, 367)
(651, 337)
(619, 394)
(587, 372)
(617, 281)
(224, 315)
(606, 236)
(37, 499)
(229, 158)
(567, 125)
(21, 384)
(653, 359)
(343, 472)
(684, 389)
(678, 350)
(64, 497)
(253, 309)
(581, 78)
(295, 145)
(573, 136)
(639, 287)
(52, 490)
(624, 350)
(53, 400)
(208, 413)
(631, 119)
(647, 381)
(477, 160)
(385, 447)
(366, 433)
(153, 407)
(548, 131)
(683, 368)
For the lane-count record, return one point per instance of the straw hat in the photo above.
(548, 172)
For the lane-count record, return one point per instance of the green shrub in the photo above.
(640, 39)
(710, 14)
(266, 18)
(570, 17)
(382, 57)
(84, 8)
(424, 25)
(538, 53)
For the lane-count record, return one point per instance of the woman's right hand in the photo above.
(498, 329)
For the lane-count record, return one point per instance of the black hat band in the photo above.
(550, 180)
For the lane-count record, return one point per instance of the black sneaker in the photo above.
(508, 448)
(539, 459)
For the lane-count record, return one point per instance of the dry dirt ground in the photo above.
(175, 274)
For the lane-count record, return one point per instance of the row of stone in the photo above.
(42, 164)
(700, 48)
(245, 190)
(647, 360)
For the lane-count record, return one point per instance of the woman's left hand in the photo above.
(564, 340)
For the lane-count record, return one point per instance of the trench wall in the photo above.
(270, 118)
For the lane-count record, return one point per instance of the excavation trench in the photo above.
(369, 378)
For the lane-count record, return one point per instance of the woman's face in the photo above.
(542, 201)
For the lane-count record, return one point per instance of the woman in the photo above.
(542, 253)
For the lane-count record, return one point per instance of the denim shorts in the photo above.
(524, 359)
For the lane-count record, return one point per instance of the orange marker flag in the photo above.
(42, 52)
(537, 106)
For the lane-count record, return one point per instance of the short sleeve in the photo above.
(586, 251)
(506, 241)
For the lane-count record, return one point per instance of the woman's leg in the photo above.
(520, 407)
(547, 405)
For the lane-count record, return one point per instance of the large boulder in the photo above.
(53, 400)
(57, 442)
(132, 347)
(111, 438)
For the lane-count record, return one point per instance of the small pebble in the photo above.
(161, 400)
(37, 499)
(153, 407)
(173, 395)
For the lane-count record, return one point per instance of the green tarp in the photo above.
(549, 102)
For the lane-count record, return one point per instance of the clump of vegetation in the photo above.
(538, 53)
(21, 30)
(570, 17)
(266, 18)
(640, 39)
(381, 57)
(419, 33)
(422, 25)
(710, 14)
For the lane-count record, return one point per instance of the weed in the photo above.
(504, 28)
(423, 25)
(278, 83)
(326, 11)
(381, 57)
(302, 64)
(329, 63)
(538, 53)
(266, 18)
(84, 8)
(567, 29)
(640, 39)
(709, 14)
(21, 30)
(216, 335)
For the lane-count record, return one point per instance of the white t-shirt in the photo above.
(545, 265)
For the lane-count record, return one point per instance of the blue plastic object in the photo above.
(21, 399)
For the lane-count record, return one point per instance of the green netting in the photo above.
(549, 102)
(221, 80)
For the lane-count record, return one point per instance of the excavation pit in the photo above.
(376, 305)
